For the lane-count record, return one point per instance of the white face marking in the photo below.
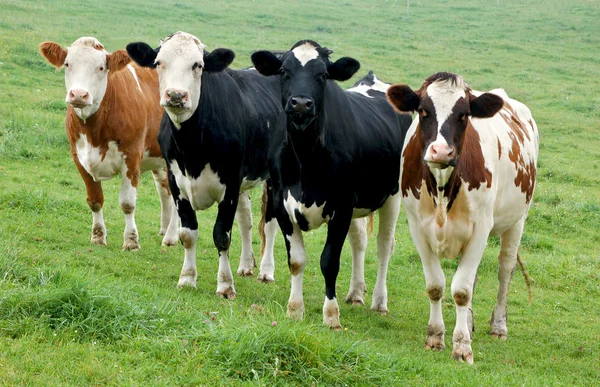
(444, 97)
(132, 69)
(378, 85)
(100, 168)
(176, 58)
(312, 214)
(305, 53)
(86, 72)
(201, 192)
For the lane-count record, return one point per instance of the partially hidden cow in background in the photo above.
(468, 171)
(337, 162)
(215, 137)
(112, 124)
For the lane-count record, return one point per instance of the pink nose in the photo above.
(441, 153)
(78, 97)
(176, 97)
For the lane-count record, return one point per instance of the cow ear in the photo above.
(53, 53)
(117, 60)
(266, 62)
(343, 69)
(486, 105)
(218, 59)
(142, 54)
(403, 98)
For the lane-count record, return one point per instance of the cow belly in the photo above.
(99, 166)
(151, 163)
(202, 192)
(307, 218)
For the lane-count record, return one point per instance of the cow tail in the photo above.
(528, 280)
(370, 223)
(262, 223)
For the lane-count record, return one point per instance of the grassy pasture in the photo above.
(76, 314)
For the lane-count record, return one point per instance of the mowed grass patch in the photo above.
(72, 313)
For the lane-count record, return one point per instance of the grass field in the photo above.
(72, 313)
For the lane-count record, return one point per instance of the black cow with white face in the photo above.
(214, 137)
(338, 161)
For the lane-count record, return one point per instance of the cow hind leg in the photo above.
(243, 215)
(127, 200)
(388, 216)
(169, 221)
(507, 261)
(267, 229)
(358, 241)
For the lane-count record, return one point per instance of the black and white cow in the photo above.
(338, 160)
(215, 136)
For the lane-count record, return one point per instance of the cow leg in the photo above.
(388, 216)
(243, 216)
(95, 200)
(222, 240)
(188, 234)
(358, 242)
(268, 229)
(296, 262)
(462, 292)
(168, 213)
(127, 200)
(507, 260)
(330, 265)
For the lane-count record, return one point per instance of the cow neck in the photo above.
(470, 169)
(306, 143)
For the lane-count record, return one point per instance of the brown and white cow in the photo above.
(467, 171)
(112, 124)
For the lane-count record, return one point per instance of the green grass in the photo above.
(72, 313)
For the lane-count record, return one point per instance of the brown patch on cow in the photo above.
(435, 293)
(117, 60)
(461, 297)
(526, 172)
(185, 240)
(471, 163)
(413, 167)
(127, 208)
(515, 124)
(294, 267)
(499, 148)
(263, 220)
(53, 53)
(97, 232)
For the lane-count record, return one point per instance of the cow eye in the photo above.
(100, 68)
(157, 63)
(463, 116)
(422, 112)
(66, 64)
(196, 65)
(323, 76)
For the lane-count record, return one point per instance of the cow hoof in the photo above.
(499, 335)
(131, 246)
(101, 241)
(170, 241)
(380, 308)
(295, 310)
(463, 353)
(355, 297)
(186, 282)
(265, 278)
(228, 293)
(245, 272)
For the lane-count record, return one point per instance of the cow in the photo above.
(468, 171)
(112, 124)
(337, 161)
(214, 137)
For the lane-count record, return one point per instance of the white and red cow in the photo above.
(468, 171)
(112, 124)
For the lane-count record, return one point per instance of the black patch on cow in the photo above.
(142, 54)
(301, 220)
(218, 60)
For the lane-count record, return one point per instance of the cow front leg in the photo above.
(169, 221)
(243, 216)
(388, 216)
(267, 229)
(358, 242)
(127, 201)
(188, 234)
(222, 240)
(297, 262)
(330, 265)
(95, 200)
(462, 293)
(507, 260)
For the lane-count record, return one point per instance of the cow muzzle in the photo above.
(175, 98)
(79, 98)
(301, 111)
(443, 155)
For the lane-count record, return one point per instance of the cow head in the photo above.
(180, 61)
(304, 72)
(444, 104)
(87, 66)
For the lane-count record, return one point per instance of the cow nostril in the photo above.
(309, 103)
(294, 102)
